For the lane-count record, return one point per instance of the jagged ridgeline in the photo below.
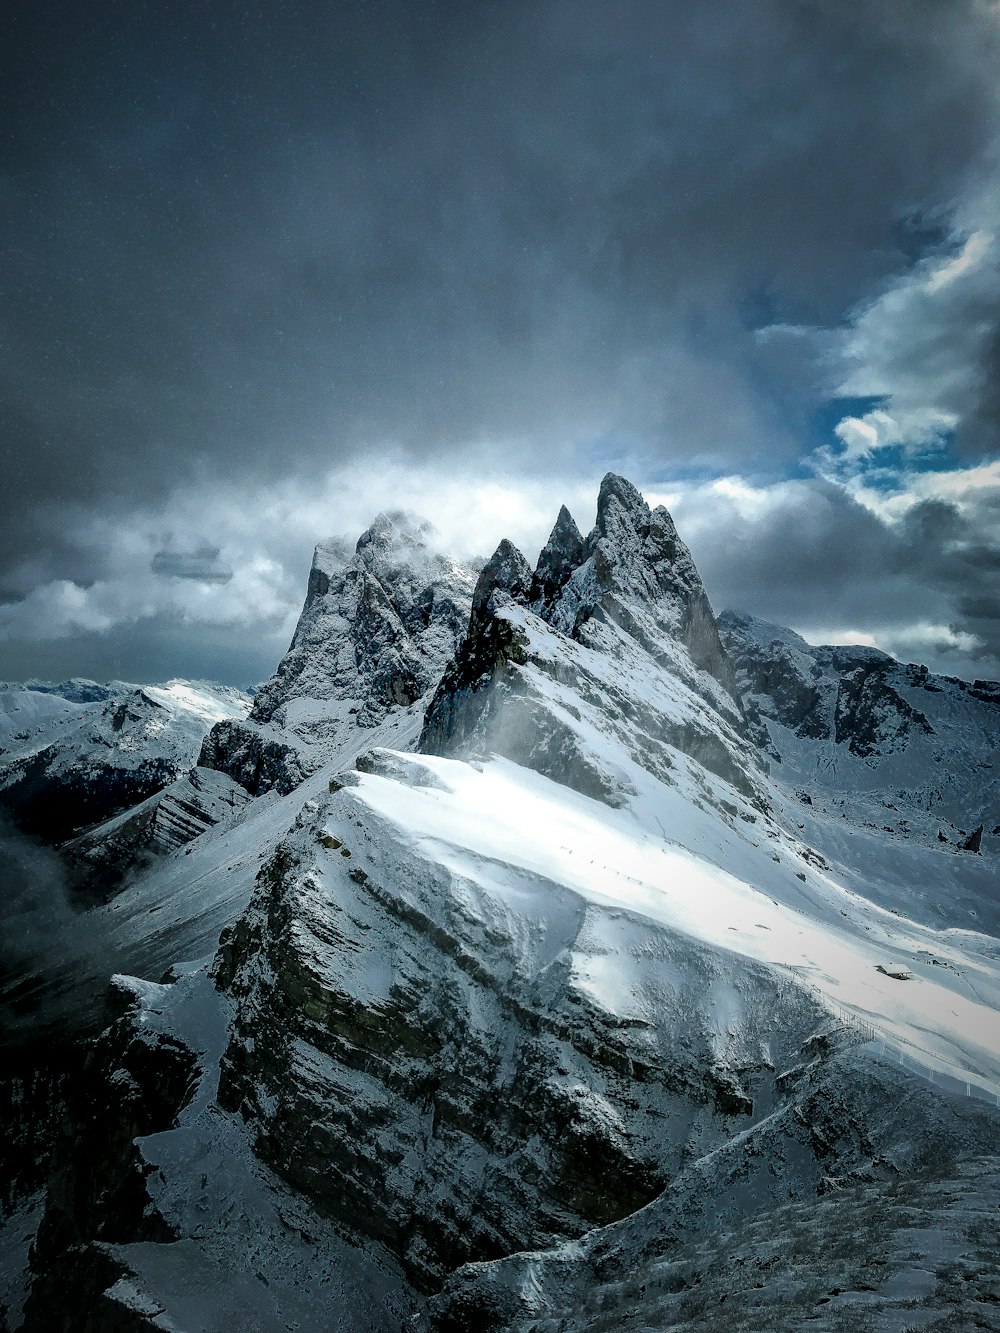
(612, 634)
(537, 952)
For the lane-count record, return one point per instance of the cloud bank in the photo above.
(270, 270)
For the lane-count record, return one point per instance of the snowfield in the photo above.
(474, 820)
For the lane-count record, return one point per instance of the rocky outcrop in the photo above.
(134, 1082)
(636, 559)
(870, 717)
(852, 696)
(378, 627)
(563, 553)
(607, 622)
(254, 760)
(856, 1254)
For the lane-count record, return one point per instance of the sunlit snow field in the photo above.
(943, 1015)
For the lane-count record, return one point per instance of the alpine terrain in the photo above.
(534, 951)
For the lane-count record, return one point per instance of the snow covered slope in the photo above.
(74, 755)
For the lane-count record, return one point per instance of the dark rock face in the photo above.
(132, 1083)
(489, 644)
(871, 717)
(253, 760)
(104, 858)
(796, 701)
(974, 842)
(103, 759)
(53, 803)
(837, 693)
(563, 553)
(33, 1089)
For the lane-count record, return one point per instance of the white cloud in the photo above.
(919, 346)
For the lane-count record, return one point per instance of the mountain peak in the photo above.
(394, 529)
(506, 571)
(564, 552)
(619, 504)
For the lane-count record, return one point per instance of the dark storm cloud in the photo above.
(855, 571)
(250, 237)
(243, 243)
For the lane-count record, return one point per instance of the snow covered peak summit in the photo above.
(614, 634)
(637, 563)
(376, 627)
(379, 623)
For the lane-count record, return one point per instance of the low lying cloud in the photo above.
(913, 570)
(201, 565)
(54, 960)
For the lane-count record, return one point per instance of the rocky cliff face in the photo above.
(376, 630)
(424, 1053)
(614, 634)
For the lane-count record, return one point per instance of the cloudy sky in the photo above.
(270, 267)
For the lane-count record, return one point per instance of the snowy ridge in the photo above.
(68, 763)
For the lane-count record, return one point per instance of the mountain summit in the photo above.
(620, 622)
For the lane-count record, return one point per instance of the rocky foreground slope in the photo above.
(557, 988)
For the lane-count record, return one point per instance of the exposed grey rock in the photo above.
(859, 1254)
(872, 717)
(377, 629)
(903, 747)
(134, 1082)
(107, 753)
(563, 553)
(634, 598)
(974, 841)
(255, 760)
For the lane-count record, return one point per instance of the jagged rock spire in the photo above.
(564, 552)
(506, 572)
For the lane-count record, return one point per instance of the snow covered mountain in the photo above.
(73, 754)
(377, 628)
(893, 767)
(547, 975)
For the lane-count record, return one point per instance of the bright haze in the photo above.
(269, 268)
